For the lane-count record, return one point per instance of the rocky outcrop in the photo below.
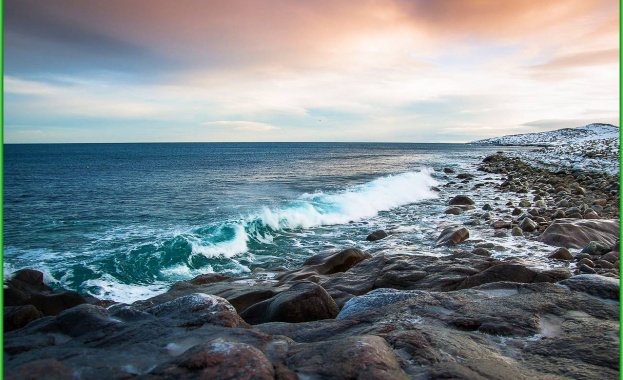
(377, 235)
(570, 233)
(303, 302)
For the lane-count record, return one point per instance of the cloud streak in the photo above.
(319, 69)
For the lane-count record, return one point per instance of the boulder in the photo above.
(303, 302)
(561, 254)
(335, 262)
(16, 317)
(595, 248)
(452, 236)
(218, 359)
(453, 211)
(461, 200)
(513, 273)
(377, 235)
(358, 357)
(595, 285)
(577, 233)
(198, 309)
(516, 231)
(498, 224)
(528, 225)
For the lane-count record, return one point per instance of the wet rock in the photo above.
(452, 236)
(577, 233)
(218, 359)
(16, 317)
(41, 369)
(460, 200)
(208, 278)
(198, 309)
(487, 207)
(448, 170)
(335, 262)
(360, 357)
(586, 261)
(528, 225)
(516, 211)
(611, 257)
(595, 285)
(481, 252)
(595, 248)
(453, 211)
(603, 264)
(561, 254)
(583, 268)
(377, 235)
(303, 302)
(501, 224)
(516, 231)
(524, 203)
(559, 214)
(513, 273)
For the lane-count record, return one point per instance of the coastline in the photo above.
(347, 314)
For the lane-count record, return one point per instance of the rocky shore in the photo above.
(350, 314)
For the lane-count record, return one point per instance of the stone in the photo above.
(595, 285)
(561, 254)
(611, 257)
(452, 236)
(460, 200)
(524, 203)
(453, 211)
(577, 233)
(516, 211)
(198, 309)
(16, 317)
(377, 235)
(595, 248)
(559, 214)
(481, 252)
(586, 261)
(501, 224)
(516, 231)
(208, 278)
(448, 170)
(302, 302)
(336, 262)
(487, 207)
(528, 225)
(360, 357)
(218, 359)
(513, 273)
(583, 268)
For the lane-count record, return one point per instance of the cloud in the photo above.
(14, 85)
(246, 126)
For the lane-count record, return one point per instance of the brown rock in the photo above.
(452, 236)
(577, 233)
(377, 235)
(303, 302)
(218, 359)
(561, 254)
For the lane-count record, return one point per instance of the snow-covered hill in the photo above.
(557, 137)
(593, 147)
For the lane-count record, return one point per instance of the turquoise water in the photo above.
(124, 221)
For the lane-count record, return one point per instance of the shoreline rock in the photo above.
(352, 314)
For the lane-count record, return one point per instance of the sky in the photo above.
(314, 70)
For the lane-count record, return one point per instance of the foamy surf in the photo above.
(315, 210)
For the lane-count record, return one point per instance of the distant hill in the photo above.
(593, 147)
(563, 136)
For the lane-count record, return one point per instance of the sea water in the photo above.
(125, 221)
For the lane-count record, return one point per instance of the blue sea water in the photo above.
(124, 221)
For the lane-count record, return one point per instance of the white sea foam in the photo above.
(107, 287)
(359, 202)
(319, 209)
(229, 248)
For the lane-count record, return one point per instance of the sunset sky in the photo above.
(315, 70)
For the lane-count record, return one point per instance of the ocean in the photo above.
(125, 221)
